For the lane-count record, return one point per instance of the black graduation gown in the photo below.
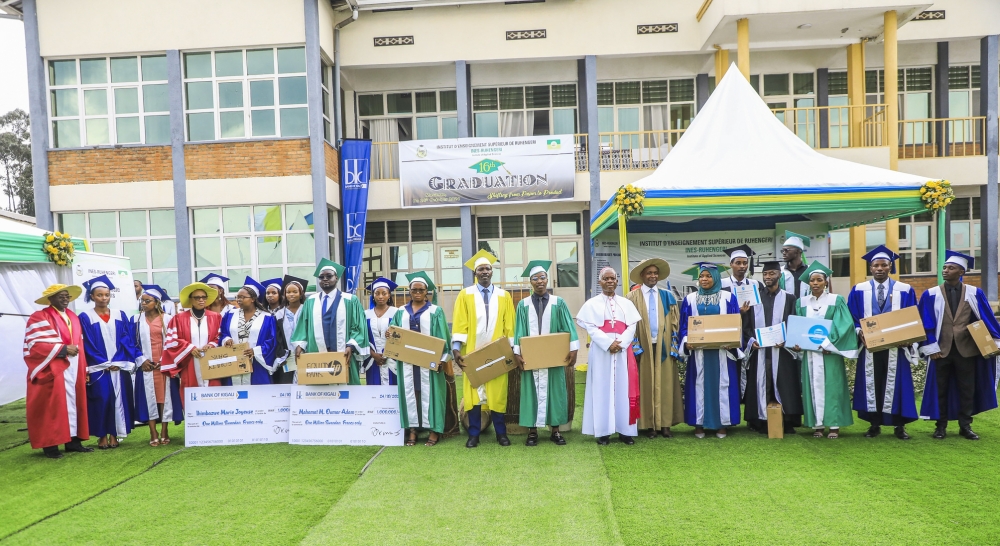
(788, 372)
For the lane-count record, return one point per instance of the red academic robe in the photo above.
(176, 357)
(48, 400)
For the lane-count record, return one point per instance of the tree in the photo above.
(15, 162)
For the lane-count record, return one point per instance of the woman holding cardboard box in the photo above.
(712, 389)
(377, 370)
(825, 398)
(422, 391)
(252, 325)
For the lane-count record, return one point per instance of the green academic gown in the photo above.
(544, 400)
(351, 329)
(825, 397)
(423, 392)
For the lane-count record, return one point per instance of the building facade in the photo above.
(196, 137)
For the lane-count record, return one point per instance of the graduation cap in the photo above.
(815, 267)
(155, 291)
(771, 265)
(425, 279)
(698, 266)
(742, 251)
(536, 266)
(800, 242)
(882, 252)
(97, 282)
(213, 279)
(480, 258)
(252, 285)
(272, 282)
(964, 261)
(380, 282)
(325, 264)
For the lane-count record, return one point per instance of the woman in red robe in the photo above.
(57, 374)
(189, 335)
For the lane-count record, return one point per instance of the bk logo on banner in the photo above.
(355, 173)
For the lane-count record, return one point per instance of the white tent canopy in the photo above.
(736, 142)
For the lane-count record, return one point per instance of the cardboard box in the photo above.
(981, 335)
(322, 369)
(223, 362)
(807, 333)
(714, 331)
(897, 328)
(489, 362)
(775, 421)
(413, 348)
(548, 351)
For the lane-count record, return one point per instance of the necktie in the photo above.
(652, 311)
(326, 302)
(881, 295)
(486, 302)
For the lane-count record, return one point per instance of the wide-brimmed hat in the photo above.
(636, 274)
(187, 290)
(74, 292)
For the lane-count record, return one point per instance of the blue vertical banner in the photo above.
(355, 167)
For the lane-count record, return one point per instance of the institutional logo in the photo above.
(553, 144)
(421, 152)
(818, 334)
(487, 166)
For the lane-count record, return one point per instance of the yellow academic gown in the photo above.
(474, 329)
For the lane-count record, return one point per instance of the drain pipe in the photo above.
(338, 121)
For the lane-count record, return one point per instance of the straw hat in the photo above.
(74, 292)
(185, 296)
(636, 274)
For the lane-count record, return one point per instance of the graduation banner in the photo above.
(355, 167)
(87, 265)
(484, 171)
(256, 414)
(357, 415)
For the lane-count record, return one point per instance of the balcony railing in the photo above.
(947, 137)
(819, 126)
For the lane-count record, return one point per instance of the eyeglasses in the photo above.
(199, 298)
(540, 278)
(147, 301)
(326, 277)
(239, 297)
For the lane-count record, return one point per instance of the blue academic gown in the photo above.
(110, 404)
(712, 387)
(263, 340)
(373, 375)
(883, 399)
(144, 396)
(931, 312)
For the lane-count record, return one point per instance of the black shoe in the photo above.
(873, 431)
(968, 434)
(651, 434)
(473, 441)
(789, 429)
(939, 433)
(627, 440)
(76, 446)
(665, 432)
(901, 433)
(603, 440)
(532, 440)
(503, 440)
(557, 438)
(52, 452)
(762, 429)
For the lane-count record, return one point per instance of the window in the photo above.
(653, 107)
(965, 234)
(145, 237)
(525, 111)
(104, 101)
(917, 244)
(410, 247)
(262, 241)
(517, 240)
(389, 118)
(839, 120)
(782, 91)
(963, 102)
(245, 93)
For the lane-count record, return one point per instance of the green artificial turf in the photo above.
(744, 489)
(13, 425)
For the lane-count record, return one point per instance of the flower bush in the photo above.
(59, 248)
(630, 200)
(937, 194)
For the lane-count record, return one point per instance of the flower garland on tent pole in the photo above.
(59, 248)
(936, 195)
(629, 201)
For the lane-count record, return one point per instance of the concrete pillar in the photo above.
(721, 64)
(182, 221)
(856, 90)
(891, 87)
(743, 46)
(701, 90)
(989, 80)
(463, 96)
(39, 114)
(823, 99)
(587, 84)
(317, 155)
(941, 99)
